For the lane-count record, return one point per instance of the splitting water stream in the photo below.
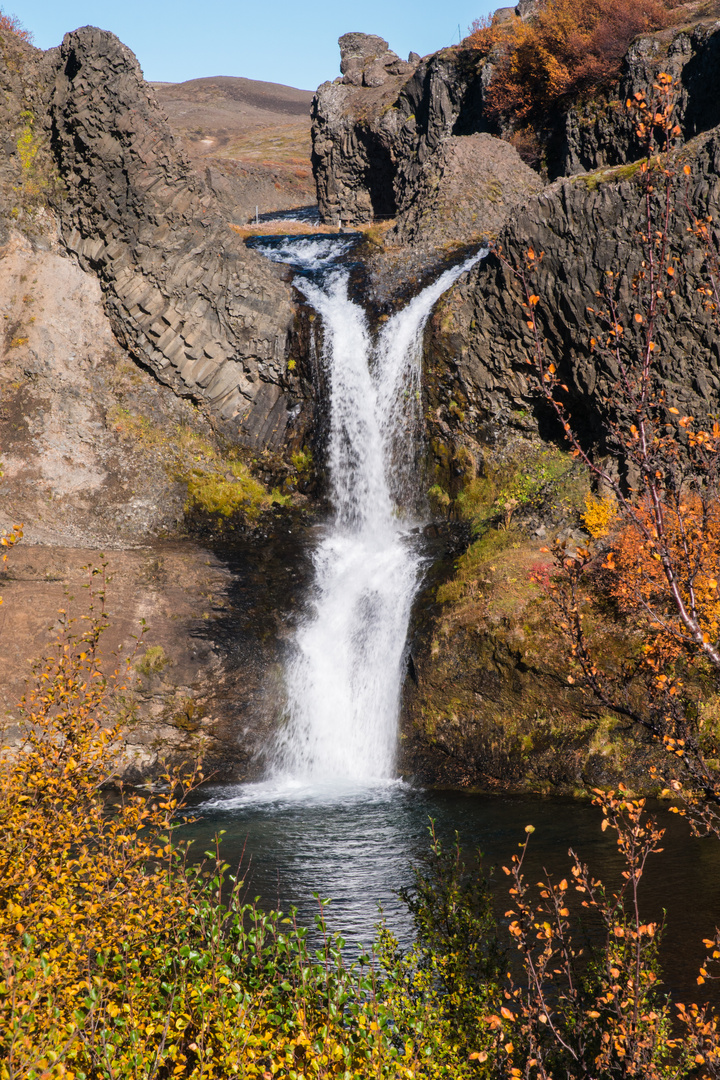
(330, 817)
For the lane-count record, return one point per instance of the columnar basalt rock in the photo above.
(602, 131)
(370, 143)
(367, 60)
(478, 342)
(465, 191)
(209, 317)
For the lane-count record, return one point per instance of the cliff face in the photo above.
(142, 346)
(370, 143)
(370, 146)
(602, 132)
(210, 318)
(478, 342)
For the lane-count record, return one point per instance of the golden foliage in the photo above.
(118, 960)
(567, 49)
(580, 1015)
(599, 515)
(637, 562)
(8, 540)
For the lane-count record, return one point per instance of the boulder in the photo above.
(504, 14)
(366, 60)
(465, 191)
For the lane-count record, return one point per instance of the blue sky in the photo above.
(276, 40)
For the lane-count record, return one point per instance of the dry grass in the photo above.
(282, 228)
(288, 146)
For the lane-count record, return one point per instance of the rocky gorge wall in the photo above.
(402, 121)
(209, 317)
(585, 227)
(143, 339)
(183, 293)
(487, 703)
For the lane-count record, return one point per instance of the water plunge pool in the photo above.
(356, 847)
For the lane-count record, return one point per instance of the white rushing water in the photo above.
(345, 675)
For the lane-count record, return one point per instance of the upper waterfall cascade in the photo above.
(345, 674)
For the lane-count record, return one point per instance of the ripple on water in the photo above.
(357, 844)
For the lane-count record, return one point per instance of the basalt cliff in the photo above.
(146, 352)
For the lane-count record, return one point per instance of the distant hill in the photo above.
(254, 132)
(252, 137)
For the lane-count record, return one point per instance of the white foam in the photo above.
(345, 674)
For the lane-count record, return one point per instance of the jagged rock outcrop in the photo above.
(603, 132)
(370, 147)
(210, 318)
(478, 341)
(464, 192)
(367, 60)
(370, 144)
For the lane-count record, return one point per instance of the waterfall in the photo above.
(344, 677)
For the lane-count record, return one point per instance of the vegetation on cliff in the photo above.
(220, 483)
(564, 51)
(10, 24)
(662, 549)
(119, 959)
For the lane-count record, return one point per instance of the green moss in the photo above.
(302, 462)
(538, 479)
(154, 660)
(615, 175)
(219, 485)
(188, 716)
(607, 739)
(38, 176)
(471, 569)
(456, 411)
(474, 498)
(227, 493)
(439, 498)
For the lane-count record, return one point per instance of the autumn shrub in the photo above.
(10, 24)
(566, 50)
(599, 515)
(119, 960)
(438, 994)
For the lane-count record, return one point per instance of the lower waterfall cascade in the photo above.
(344, 677)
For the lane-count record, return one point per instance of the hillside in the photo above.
(254, 136)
